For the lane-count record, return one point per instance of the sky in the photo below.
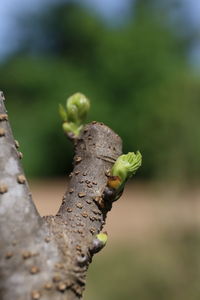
(9, 9)
(193, 10)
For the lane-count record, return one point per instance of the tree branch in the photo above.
(47, 258)
(14, 188)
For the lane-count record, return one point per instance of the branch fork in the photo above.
(47, 258)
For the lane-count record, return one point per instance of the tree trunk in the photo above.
(47, 258)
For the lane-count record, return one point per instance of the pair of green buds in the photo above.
(75, 113)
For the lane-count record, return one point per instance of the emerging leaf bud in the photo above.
(126, 165)
(102, 237)
(99, 242)
(77, 108)
(62, 112)
(73, 117)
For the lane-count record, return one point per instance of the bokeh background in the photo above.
(139, 64)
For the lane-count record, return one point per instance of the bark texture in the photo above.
(47, 258)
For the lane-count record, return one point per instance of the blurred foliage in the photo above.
(170, 269)
(136, 76)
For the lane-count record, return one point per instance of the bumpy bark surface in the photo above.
(47, 258)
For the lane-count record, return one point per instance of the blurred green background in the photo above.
(135, 70)
(139, 72)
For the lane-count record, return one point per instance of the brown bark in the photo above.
(47, 258)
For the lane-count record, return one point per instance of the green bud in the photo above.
(98, 243)
(126, 165)
(102, 237)
(62, 112)
(70, 127)
(77, 108)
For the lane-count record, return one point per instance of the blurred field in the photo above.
(154, 242)
(144, 210)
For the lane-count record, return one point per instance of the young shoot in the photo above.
(125, 167)
(74, 114)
